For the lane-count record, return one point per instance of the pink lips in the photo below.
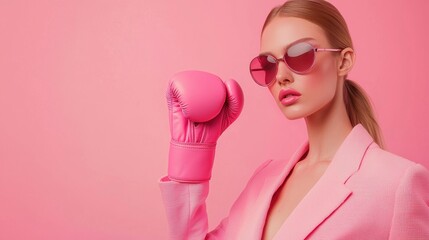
(288, 96)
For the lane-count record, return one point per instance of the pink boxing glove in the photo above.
(201, 106)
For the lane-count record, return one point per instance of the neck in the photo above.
(326, 130)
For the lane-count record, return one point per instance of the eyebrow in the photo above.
(290, 44)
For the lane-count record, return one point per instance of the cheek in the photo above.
(274, 91)
(326, 69)
(322, 83)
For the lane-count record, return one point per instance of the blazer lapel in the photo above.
(329, 192)
(271, 179)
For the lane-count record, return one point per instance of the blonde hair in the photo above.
(326, 16)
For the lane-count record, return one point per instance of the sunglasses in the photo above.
(299, 58)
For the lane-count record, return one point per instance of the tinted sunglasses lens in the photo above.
(263, 69)
(300, 57)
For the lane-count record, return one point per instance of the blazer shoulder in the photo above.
(411, 209)
(262, 168)
(418, 176)
(385, 160)
(271, 167)
(384, 168)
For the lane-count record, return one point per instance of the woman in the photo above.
(338, 185)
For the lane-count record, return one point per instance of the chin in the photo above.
(292, 114)
(298, 111)
(292, 117)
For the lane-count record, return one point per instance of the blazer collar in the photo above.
(326, 195)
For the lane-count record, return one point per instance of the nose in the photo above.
(283, 75)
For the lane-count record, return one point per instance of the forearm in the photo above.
(185, 208)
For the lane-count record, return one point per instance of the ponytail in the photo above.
(360, 111)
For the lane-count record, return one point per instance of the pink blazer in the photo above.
(365, 193)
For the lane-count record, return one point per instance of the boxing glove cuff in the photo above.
(190, 162)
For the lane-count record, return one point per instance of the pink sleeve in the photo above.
(185, 206)
(411, 212)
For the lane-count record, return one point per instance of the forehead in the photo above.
(282, 31)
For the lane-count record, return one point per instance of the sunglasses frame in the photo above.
(283, 59)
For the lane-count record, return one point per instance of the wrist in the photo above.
(190, 162)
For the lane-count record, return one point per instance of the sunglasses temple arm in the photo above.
(328, 49)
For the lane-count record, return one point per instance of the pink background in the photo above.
(83, 119)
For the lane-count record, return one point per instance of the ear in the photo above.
(346, 61)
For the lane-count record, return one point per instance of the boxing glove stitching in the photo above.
(193, 145)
